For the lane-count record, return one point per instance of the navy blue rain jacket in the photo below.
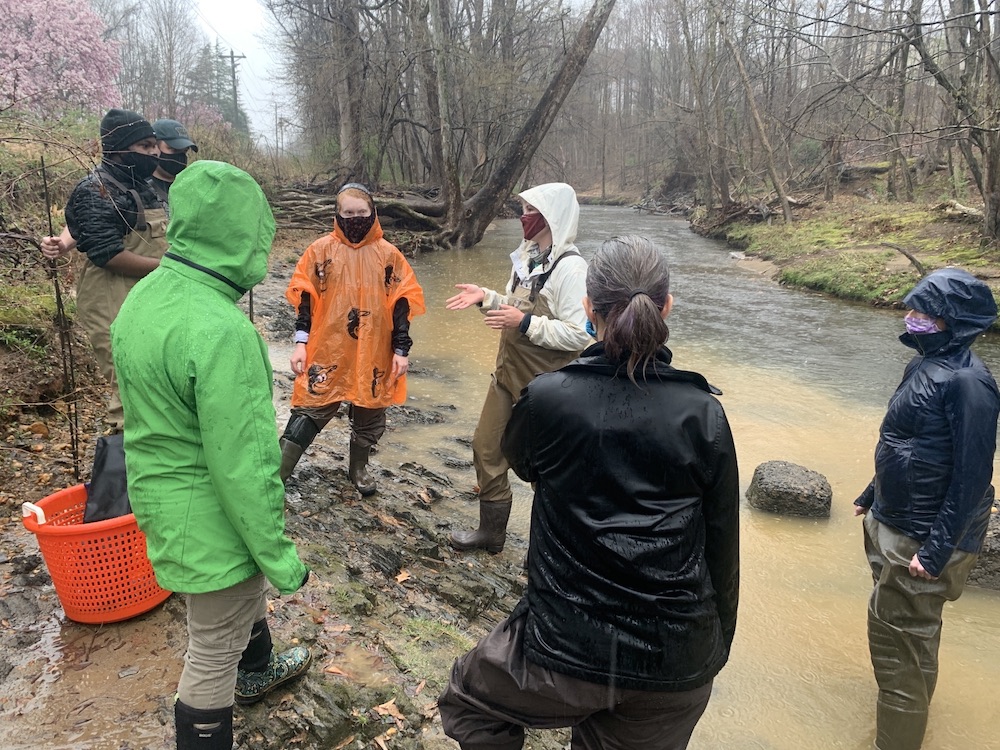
(934, 459)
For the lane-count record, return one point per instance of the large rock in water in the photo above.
(790, 489)
(987, 571)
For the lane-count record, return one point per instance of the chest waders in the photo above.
(100, 294)
(518, 362)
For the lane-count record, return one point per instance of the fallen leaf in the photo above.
(336, 629)
(390, 709)
(39, 428)
(402, 576)
(332, 669)
(420, 687)
(345, 743)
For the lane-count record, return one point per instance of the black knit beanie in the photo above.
(120, 128)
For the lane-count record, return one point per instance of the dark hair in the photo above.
(628, 282)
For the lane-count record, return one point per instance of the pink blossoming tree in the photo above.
(53, 57)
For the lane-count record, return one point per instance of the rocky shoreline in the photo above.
(387, 609)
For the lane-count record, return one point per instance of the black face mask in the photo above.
(141, 166)
(356, 227)
(173, 164)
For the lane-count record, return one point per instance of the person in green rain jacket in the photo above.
(201, 447)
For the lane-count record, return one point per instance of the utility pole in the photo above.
(233, 57)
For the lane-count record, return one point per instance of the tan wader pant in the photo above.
(518, 362)
(495, 692)
(904, 631)
(100, 294)
(219, 625)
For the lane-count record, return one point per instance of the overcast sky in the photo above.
(240, 25)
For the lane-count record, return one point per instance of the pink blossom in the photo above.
(53, 57)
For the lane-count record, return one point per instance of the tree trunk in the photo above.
(786, 209)
(451, 187)
(481, 208)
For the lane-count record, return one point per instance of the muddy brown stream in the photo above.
(805, 379)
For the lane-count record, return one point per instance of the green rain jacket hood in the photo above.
(201, 442)
(222, 222)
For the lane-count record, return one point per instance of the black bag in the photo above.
(107, 493)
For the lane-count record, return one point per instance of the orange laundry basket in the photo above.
(100, 570)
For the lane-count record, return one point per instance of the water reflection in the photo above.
(806, 379)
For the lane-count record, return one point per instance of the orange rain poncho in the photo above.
(353, 290)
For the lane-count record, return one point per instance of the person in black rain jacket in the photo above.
(927, 508)
(633, 562)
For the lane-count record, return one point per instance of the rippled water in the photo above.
(806, 379)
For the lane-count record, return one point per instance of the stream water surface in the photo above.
(805, 379)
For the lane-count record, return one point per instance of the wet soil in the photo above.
(387, 609)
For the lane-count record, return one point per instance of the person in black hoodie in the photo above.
(633, 558)
(927, 509)
(118, 220)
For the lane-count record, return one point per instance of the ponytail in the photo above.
(628, 283)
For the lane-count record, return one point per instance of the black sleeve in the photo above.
(97, 223)
(304, 320)
(401, 341)
(516, 440)
(721, 509)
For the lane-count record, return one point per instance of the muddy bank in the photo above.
(386, 611)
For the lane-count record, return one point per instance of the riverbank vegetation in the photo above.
(819, 137)
(866, 250)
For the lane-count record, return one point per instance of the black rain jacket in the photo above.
(99, 213)
(633, 562)
(934, 459)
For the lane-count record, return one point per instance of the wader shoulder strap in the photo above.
(140, 210)
(540, 280)
(161, 194)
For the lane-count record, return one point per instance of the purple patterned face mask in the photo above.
(921, 325)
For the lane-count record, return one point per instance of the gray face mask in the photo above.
(536, 253)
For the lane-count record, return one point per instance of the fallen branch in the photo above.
(952, 209)
(910, 256)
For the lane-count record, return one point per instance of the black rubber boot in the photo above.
(201, 729)
(291, 452)
(357, 470)
(258, 651)
(492, 532)
(299, 435)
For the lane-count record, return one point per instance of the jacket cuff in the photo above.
(525, 322)
(491, 300)
(302, 337)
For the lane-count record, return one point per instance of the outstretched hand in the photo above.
(470, 295)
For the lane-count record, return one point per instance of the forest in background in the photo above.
(725, 105)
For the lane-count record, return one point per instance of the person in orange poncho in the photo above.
(355, 295)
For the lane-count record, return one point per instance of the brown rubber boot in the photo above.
(357, 470)
(492, 531)
(291, 452)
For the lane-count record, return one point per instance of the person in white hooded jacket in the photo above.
(542, 327)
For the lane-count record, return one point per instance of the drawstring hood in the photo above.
(207, 232)
(962, 301)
